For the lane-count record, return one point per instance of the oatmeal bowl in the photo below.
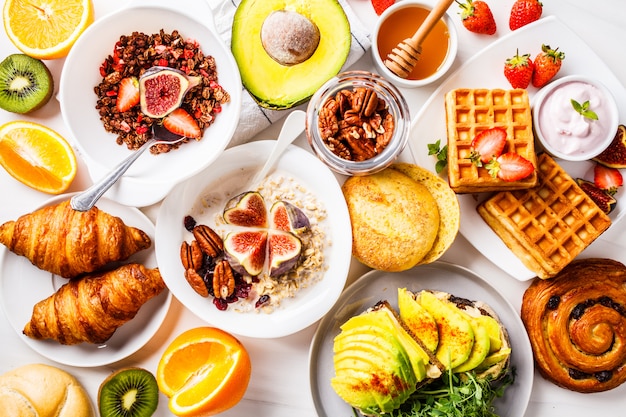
(259, 260)
(126, 75)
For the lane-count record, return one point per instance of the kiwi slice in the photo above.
(25, 84)
(128, 392)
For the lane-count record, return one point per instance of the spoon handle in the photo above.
(85, 200)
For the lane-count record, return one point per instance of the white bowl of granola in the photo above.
(121, 46)
(260, 306)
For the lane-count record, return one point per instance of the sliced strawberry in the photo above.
(608, 179)
(181, 123)
(127, 94)
(510, 166)
(488, 145)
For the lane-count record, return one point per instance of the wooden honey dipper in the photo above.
(403, 58)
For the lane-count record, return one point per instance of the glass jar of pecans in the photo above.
(358, 123)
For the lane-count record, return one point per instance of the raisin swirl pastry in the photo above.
(576, 323)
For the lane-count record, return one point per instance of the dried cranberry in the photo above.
(189, 223)
(220, 304)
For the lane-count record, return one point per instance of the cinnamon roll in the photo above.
(576, 323)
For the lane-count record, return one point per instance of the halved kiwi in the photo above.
(128, 392)
(25, 84)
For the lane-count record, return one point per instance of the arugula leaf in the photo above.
(456, 395)
(441, 153)
(583, 109)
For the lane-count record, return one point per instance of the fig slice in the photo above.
(246, 209)
(284, 250)
(288, 218)
(161, 90)
(245, 251)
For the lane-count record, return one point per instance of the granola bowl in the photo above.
(358, 123)
(259, 306)
(180, 38)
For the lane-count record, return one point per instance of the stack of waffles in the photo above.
(470, 111)
(546, 226)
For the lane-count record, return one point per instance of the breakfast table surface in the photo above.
(279, 385)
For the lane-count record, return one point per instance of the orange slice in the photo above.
(46, 29)
(37, 156)
(204, 371)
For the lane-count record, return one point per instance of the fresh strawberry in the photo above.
(381, 5)
(488, 145)
(127, 94)
(608, 179)
(181, 123)
(524, 12)
(547, 64)
(477, 17)
(518, 70)
(510, 166)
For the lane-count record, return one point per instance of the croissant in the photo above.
(69, 243)
(92, 308)
(576, 323)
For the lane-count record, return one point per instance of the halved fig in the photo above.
(246, 209)
(604, 200)
(288, 218)
(615, 155)
(245, 251)
(284, 250)
(161, 90)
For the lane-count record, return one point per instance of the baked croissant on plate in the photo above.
(92, 308)
(69, 243)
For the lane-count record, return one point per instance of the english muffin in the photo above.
(395, 219)
(447, 202)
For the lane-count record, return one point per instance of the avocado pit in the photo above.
(288, 37)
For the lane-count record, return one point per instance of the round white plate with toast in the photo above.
(484, 70)
(22, 285)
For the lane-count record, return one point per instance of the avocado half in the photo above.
(278, 86)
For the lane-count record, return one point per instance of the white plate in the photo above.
(235, 168)
(22, 285)
(149, 179)
(484, 70)
(377, 285)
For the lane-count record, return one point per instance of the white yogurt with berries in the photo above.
(575, 118)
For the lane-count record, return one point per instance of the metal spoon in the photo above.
(292, 128)
(85, 200)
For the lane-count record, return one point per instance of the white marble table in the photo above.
(280, 382)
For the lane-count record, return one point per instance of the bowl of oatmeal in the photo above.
(258, 305)
(120, 47)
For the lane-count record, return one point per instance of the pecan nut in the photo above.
(191, 255)
(223, 280)
(209, 241)
(197, 283)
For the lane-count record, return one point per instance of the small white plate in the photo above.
(149, 179)
(22, 285)
(375, 286)
(484, 70)
(226, 178)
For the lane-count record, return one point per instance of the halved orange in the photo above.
(204, 371)
(37, 156)
(46, 29)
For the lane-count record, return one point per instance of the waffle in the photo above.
(546, 226)
(470, 111)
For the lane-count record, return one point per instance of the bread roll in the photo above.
(395, 219)
(40, 390)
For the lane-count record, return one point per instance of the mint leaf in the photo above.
(441, 153)
(583, 109)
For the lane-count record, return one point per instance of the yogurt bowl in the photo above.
(575, 117)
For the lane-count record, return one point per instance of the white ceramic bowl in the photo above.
(204, 197)
(151, 176)
(379, 61)
(564, 133)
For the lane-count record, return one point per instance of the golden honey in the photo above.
(402, 24)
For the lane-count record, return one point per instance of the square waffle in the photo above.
(546, 226)
(470, 111)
